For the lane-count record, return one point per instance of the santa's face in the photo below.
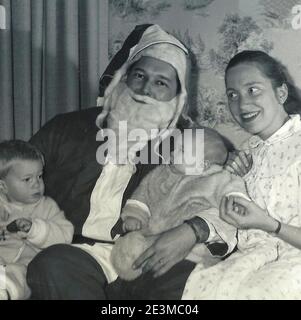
(154, 78)
(146, 98)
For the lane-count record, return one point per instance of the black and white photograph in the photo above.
(150, 150)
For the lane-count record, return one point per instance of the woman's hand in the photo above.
(239, 163)
(245, 214)
(171, 247)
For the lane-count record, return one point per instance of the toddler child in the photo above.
(29, 221)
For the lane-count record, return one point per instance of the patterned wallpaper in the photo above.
(215, 30)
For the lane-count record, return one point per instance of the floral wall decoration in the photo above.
(277, 13)
(139, 8)
(198, 6)
(237, 33)
(214, 31)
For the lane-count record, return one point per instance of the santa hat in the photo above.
(158, 44)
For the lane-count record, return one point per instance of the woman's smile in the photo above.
(249, 116)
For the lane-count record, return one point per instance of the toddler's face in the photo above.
(24, 183)
(188, 156)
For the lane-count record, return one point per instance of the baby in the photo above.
(174, 193)
(29, 221)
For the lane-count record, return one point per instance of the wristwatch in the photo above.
(200, 229)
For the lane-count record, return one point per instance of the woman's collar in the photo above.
(292, 125)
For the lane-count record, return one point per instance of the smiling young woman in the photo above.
(267, 264)
(257, 91)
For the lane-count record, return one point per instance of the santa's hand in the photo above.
(171, 247)
(131, 224)
(253, 217)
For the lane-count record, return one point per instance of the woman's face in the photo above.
(253, 102)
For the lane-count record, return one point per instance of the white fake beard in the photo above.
(140, 112)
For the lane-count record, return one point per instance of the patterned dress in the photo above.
(264, 267)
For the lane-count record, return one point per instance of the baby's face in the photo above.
(188, 155)
(24, 183)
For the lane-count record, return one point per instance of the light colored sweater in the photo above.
(166, 200)
(49, 226)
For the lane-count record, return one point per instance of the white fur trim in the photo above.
(99, 101)
(140, 205)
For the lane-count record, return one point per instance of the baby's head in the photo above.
(214, 151)
(21, 169)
